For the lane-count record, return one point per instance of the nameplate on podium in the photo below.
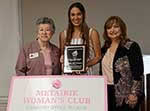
(57, 93)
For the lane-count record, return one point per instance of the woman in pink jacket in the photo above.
(40, 57)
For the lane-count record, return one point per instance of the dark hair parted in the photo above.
(46, 20)
(109, 22)
(84, 26)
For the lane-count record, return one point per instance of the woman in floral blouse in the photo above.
(122, 64)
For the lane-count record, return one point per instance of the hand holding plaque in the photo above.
(74, 58)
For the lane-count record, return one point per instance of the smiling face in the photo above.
(114, 31)
(76, 17)
(44, 32)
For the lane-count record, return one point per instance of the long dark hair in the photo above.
(109, 22)
(84, 26)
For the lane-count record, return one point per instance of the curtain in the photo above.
(10, 40)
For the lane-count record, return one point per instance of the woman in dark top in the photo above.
(122, 64)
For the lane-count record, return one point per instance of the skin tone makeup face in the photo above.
(114, 31)
(76, 17)
(44, 32)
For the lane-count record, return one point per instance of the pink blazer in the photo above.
(31, 60)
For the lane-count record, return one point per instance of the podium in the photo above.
(58, 93)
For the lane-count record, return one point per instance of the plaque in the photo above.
(74, 58)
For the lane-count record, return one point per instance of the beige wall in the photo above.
(134, 12)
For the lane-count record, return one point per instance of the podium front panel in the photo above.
(58, 93)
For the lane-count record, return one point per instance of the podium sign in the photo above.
(57, 93)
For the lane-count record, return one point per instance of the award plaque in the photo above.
(74, 58)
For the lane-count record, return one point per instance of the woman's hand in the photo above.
(62, 63)
(87, 68)
(62, 59)
(132, 100)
